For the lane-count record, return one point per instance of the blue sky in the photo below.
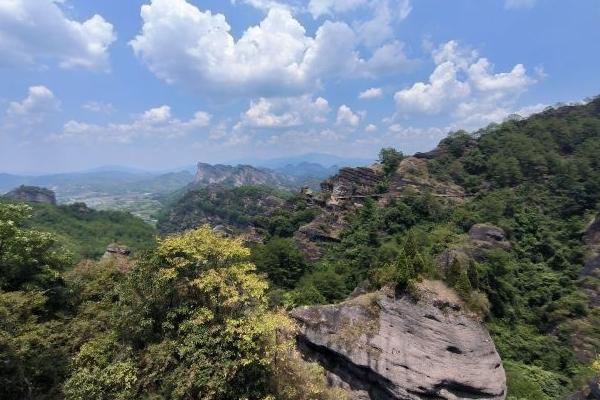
(165, 83)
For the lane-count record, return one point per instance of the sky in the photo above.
(159, 84)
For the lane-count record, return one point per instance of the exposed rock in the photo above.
(591, 391)
(32, 194)
(325, 228)
(379, 347)
(488, 237)
(116, 250)
(235, 176)
(351, 183)
(413, 176)
(591, 238)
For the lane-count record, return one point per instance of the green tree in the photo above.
(281, 260)
(390, 158)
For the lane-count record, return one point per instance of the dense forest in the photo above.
(201, 315)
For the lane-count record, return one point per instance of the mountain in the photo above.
(326, 160)
(235, 176)
(85, 232)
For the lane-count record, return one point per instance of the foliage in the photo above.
(191, 321)
(238, 206)
(86, 232)
(390, 158)
(281, 260)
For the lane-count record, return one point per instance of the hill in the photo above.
(499, 215)
(86, 232)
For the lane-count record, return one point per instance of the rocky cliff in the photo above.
(32, 194)
(344, 193)
(236, 176)
(380, 346)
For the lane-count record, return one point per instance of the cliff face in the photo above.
(235, 176)
(344, 193)
(32, 194)
(381, 347)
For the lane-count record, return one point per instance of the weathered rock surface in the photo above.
(239, 175)
(116, 250)
(591, 238)
(378, 347)
(32, 194)
(488, 237)
(351, 183)
(413, 175)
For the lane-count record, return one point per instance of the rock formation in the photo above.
(381, 347)
(236, 176)
(32, 194)
(114, 250)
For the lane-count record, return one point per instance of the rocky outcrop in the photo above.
(482, 238)
(488, 237)
(381, 347)
(591, 238)
(351, 183)
(32, 194)
(236, 176)
(114, 250)
(412, 176)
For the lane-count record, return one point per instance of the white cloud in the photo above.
(484, 79)
(347, 118)
(34, 30)
(371, 128)
(22, 118)
(182, 44)
(432, 97)
(380, 26)
(466, 86)
(39, 101)
(516, 4)
(156, 122)
(372, 93)
(264, 5)
(320, 8)
(284, 112)
(98, 107)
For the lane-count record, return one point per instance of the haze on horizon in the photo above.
(161, 84)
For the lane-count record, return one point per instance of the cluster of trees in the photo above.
(236, 206)
(189, 319)
(85, 232)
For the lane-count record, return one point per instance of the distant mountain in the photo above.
(307, 170)
(326, 160)
(236, 176)
(290, 176)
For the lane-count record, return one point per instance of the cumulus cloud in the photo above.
(372, 93)
(157, 122)
(484, 79)
(432, 97)
(182, 44)
(465, 85)
(284, 112)
(347, 118)
(23, 117)
(34, 30)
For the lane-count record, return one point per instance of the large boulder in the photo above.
(32, 194)
(382, 347)
(488, 237)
